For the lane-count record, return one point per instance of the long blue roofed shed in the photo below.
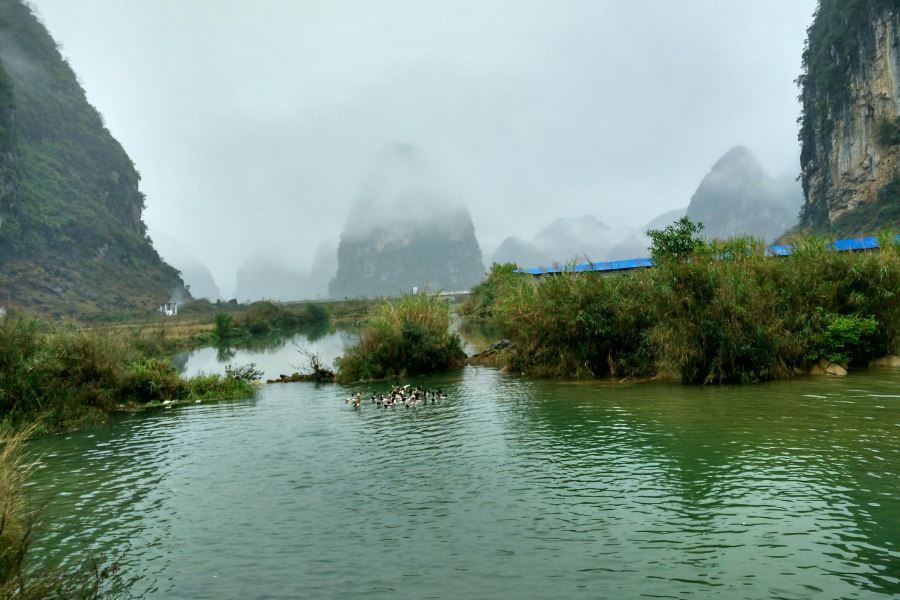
(618, 266)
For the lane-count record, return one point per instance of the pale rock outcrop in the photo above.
(843, 163)
(886, 361)
(826, 367)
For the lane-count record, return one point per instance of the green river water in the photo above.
(510, 488)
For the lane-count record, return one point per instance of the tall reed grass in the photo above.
(409, 335)
(728, 313)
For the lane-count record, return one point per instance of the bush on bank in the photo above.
(66, 377)
(409, 335)
(479, 304)
(709, 312)
(267, 318)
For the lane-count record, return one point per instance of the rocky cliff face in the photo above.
(850, 132)
(402, 232)
(72, 240)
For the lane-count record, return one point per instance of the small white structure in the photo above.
(415, 290)
(168, 310)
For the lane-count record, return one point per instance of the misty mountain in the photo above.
(402, 231)
(634, 246)
(200, 282)
(266, 278)
(196, 276)
(738, 197)
(324, 268)
(521, 252)
(72, 237)
(563, 240)
(664, 220)
(259, 279)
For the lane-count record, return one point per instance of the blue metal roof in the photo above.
(864, 243)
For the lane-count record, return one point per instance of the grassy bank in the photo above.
(709, 312)
(405, 336)
(268, 318)
(65, 377)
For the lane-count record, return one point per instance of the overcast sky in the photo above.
(254, 123)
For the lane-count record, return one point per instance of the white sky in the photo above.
(254, 123)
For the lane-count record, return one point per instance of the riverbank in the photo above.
(713, 312)
(56, 376)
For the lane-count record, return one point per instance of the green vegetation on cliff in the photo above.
(71, 236)
(724, 312)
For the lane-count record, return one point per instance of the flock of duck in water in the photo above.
(400, 396)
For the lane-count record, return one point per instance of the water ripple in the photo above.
(509, 488)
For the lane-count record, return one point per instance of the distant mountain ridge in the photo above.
(72, 240)
(737, 197)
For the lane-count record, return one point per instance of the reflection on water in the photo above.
(510, 488)
(477, 337)
(278, 354)
(274, 355)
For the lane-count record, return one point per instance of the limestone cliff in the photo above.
(850, 130)
(737, 197)
(404, 232)
(72, 241)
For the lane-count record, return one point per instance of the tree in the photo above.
(677, 241)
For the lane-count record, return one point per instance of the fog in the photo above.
(255, 124)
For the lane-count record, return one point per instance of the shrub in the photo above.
(406, 336)
(246, 373)
(480, 303)
(66, 378)
(847, 339)
(729, 314)
(224, 325)
(678, 241)
(268, 318)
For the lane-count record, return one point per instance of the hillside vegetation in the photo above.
(71, 236)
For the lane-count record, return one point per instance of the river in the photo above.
(509, 488)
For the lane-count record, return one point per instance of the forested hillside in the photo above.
(71, 236)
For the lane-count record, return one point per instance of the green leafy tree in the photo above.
(224, 323)
(678, 241)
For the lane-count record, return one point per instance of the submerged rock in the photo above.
(886, 361)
